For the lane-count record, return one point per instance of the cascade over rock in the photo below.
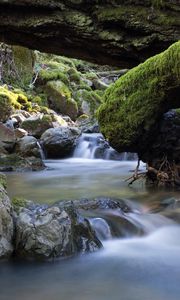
(122, 33)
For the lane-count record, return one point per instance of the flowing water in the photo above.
(131, 267)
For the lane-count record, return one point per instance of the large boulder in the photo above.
(59, 142)
(6, 221)
(135, 102)
(50, 232)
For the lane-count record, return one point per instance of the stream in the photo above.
(128, 268)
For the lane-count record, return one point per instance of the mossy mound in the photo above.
(135, 102)
(10, 100)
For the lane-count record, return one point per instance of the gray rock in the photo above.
(15, 162)
(38, 124)
(7, 137)
(28, 146)
(59, 142)
(6, 221)
(43, 233)
(20, 133)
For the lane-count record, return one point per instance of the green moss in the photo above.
(91, 98)
(18, 203)
(60, 98)
(134, 16)
(74, 75)
(55, 74)
(90, 75)
(136, 100)
(24, 62)
(83, 86)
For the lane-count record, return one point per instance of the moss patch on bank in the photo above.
(135, 102)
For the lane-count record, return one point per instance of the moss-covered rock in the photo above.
(52, 74)
(59, 98)
(10, 100)
(135, 102)
(24, 63)
(88, 102)
(17, 65)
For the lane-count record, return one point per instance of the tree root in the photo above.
(168, 174)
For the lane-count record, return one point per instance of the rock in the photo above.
(17, 65)
(88, 101)
(14, 162)
(122, 33)
(6, 221)
(136, 101)
(59, 99)
(61, 121)
(59, 142)
(22, 115)
(19, 117)
(6, 134)
(20, 133)
(7, 138)
(99, 85)
(47, 233)
(37, 125)
(5, 107)
(99, 203)
(28, 146)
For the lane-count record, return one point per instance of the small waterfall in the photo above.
(41, 151)
(111, 223)
(93, 145)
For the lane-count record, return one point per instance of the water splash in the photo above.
(41, 151)
(93, 146)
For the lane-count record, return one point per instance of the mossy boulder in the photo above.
(5, 107)
(135, 102)
(10, 100)
(59, 98)
(46, 75)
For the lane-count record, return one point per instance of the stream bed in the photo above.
(142, 268)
